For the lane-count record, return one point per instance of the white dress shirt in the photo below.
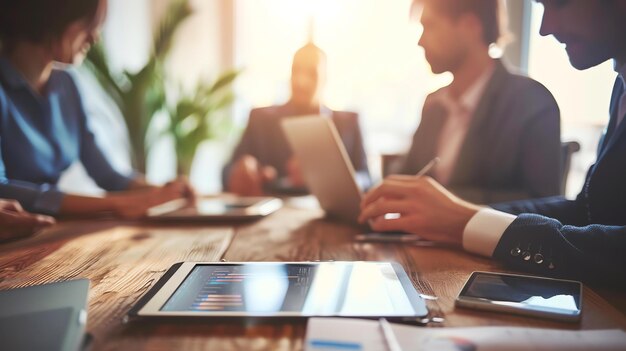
(457, 123)
(622, 104)
(483, 232)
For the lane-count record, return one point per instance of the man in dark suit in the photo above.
(582, 239)
(497, 134)
(263, 161)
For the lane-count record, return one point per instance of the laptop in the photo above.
(45, 317)
(326, 166)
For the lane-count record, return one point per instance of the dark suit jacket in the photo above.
(584, 238)
(512, 149)
(265, 140)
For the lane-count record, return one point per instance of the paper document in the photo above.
(337, 334)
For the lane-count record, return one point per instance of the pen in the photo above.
(389, 336)
(388, 237)
(428, 167)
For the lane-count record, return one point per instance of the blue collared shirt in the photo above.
(41, 135)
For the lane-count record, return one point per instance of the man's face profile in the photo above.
(588, 29)
(443, 44)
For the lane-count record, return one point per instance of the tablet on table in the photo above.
(277, 289)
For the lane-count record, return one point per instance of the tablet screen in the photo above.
(526, 292)
(305, 289)
(216, 206)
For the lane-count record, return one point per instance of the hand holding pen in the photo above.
(399, 237)
(423, 207)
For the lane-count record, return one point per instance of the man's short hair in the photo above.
(308, 50)
(490, 13)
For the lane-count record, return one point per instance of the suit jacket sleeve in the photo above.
(593, 253)
(244, 147)
(566, 211)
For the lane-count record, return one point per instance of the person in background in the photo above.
(15, 223)
(497, 134)
(263, 161)
(581, 239)
(43, 126)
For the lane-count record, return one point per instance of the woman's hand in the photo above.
(140, 183)
(420, 206)
(182, 186)
(15, 223)
(135, 204)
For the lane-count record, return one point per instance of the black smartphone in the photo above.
(522, 294)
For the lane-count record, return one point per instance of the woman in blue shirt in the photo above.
(15, 223)
(43, 126)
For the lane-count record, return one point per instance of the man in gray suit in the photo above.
(497, 134)
(263, 161)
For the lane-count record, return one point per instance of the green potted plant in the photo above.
(140, 95)
(196, 118)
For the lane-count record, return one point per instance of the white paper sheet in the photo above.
(337, 334)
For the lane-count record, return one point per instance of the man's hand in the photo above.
(424, 207)
(294, 173)
(15, 223)
(247, 177)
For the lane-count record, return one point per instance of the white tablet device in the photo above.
(217, 209)
(521, 294)
(279, 289)
(325, 164)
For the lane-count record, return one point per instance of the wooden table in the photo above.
(123, 260)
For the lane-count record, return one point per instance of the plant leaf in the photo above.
(176, 13)
(224, 80)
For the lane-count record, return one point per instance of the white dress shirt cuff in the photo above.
(483, 232)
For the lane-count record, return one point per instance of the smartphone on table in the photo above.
(523, 294)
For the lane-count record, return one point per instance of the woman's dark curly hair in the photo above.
(38, 21)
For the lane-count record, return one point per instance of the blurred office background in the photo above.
(375, 68)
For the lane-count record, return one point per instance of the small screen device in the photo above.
(216, 209)
(521, 294)
(278, 289)
(45, 317)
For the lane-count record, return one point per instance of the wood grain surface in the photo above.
(123, 260)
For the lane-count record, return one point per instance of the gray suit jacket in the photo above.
(265, 140)
(512, 149)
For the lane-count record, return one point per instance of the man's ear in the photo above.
(472, 27)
